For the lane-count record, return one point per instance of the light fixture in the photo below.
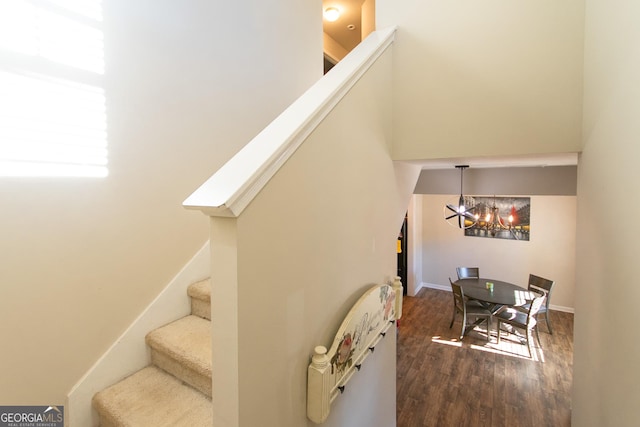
(462, 215)
(331, 14)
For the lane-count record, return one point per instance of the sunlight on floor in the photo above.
(453, 342)
(510, 345)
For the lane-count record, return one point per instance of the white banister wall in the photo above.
(224, 320)
(304, 219)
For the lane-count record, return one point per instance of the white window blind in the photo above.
(52, 103)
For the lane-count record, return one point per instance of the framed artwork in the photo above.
(501, 218)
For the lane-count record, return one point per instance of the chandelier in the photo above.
(463, 215)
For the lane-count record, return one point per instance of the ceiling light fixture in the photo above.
(462, 215)
(331, 14)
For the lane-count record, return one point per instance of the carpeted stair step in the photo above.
(200, 293)
(151, 397)
(183, 349)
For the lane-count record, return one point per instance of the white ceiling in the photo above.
(537, 160)
(350, 14)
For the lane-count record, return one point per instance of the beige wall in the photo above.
(606, 372)
(485, 78)
(186, 87)
(368, 20)
(549, 253)
(311, 243)
(332, 48)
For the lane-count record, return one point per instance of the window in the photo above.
(52, 101)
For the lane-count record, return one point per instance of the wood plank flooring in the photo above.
(444, 382)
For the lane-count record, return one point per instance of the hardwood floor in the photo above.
(444, 382)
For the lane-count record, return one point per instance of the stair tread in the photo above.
(151, 397)
(187, 340)
(200, 290)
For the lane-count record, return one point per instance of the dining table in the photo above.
(501, 293)
(496, 296)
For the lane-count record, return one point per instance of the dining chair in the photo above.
(466, 307)
(520, 320)
(542, 286)
(468, 272)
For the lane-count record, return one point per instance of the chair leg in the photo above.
(546, 316)
(464, 326)
(529, 340)
(538, 337)
(489, 329)
(453, 317)
(498, 330)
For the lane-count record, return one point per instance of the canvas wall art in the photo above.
(501, 218)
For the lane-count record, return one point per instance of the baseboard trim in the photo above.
(129, 352)
(562, 308)
(436, 286)
(416, 290)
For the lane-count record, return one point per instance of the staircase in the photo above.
(175, 390)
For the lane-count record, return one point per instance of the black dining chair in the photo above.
(466, 307)
(519, 320)
(468, 272)
(542, 286)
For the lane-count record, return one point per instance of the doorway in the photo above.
(403, 264)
